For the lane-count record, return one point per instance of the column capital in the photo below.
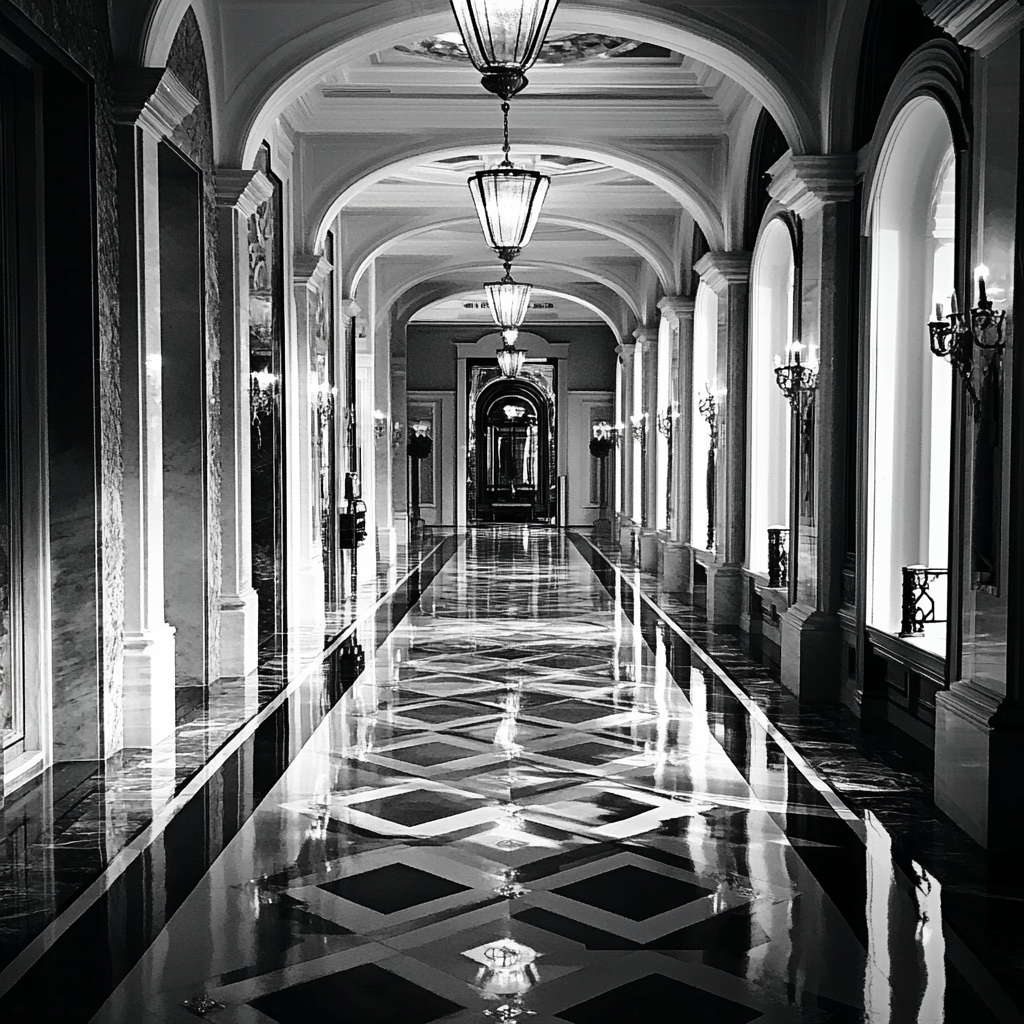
(349, 307)
(311, 270)
(980, 25)
(646, 336)
(153, 99)
(804, 184)
(626, 349)
(721, 270)
(242, 190)
(677, 307)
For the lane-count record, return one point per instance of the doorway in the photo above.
(513, 470)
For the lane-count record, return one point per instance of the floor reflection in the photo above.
(532, 805)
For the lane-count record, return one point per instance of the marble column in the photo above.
(626, 353)
(728, 275)
(400, 429)
(819, 190)
(676, 558)
(239, 195)
(310, 275)
(345, 419)
(647, 349)
(149, 107)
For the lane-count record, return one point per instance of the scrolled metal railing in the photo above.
(778, 556)
(919, 607)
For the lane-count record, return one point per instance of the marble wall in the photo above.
(187, 59)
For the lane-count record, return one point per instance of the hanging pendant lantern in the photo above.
(508, 202)
(510, 358)
(509, 300)
(504, 39)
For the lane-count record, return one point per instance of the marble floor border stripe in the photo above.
(960, 954)
(126, 858)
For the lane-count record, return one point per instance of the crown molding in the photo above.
(240, 190)
(804, 184)
(152, 99)
(720, 270)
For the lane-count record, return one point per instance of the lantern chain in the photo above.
(505, 108)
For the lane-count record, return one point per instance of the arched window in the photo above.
(705, 368)
(913, 235)
(773, 277)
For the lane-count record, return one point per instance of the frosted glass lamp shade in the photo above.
(509, 302)
(510, 360)
(508, 202)
(504, 38)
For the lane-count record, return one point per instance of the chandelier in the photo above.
(508, 202)
(510, 358)
(504, 39)
(509, 301)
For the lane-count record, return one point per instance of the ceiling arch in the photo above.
(258, 91)
(361, 259)
(683, 185)
(419, 297)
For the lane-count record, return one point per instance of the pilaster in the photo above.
(647, 349)
(149, 106)
(239, 194)
(728, 275)
(627, 353)
(310, 273)
(678, 312)
(820, 190)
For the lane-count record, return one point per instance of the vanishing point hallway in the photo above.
(537, 803)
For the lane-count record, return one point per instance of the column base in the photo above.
(677, 567)
(812, 654)
(149, 686)
(387, 545)
(629, 535)
(725, 594)
(239, 634)
(979, 761)
(649, 548)
(401, 520)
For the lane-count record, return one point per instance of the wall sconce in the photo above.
(638, 424)
(421, 429)
(380, 423)
(982, 327)
(604, 431)
(666, 418)
(325, 395)
(795, 377)
(707, 406)
(397, 432)
(263, 388)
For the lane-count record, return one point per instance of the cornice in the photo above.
(720, 270)
(152, 99)
(980, 25)
(242, 190)
(677, 307)
(311, 270)
(804, 184)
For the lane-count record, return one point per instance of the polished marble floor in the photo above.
(534, 804)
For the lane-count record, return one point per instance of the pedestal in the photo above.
(678, 567)
(649, 546)
(725, 594)
(239, 634)
(148, 687)
(812, 654)
(979, 762)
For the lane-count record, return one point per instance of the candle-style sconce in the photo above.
(380, 423)
(638, 426)
(325, 396)
(604, 431)
(397, 433)
(796, 376)
(666, 418)
(981, 327)
(707, 406)
(263, 387)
